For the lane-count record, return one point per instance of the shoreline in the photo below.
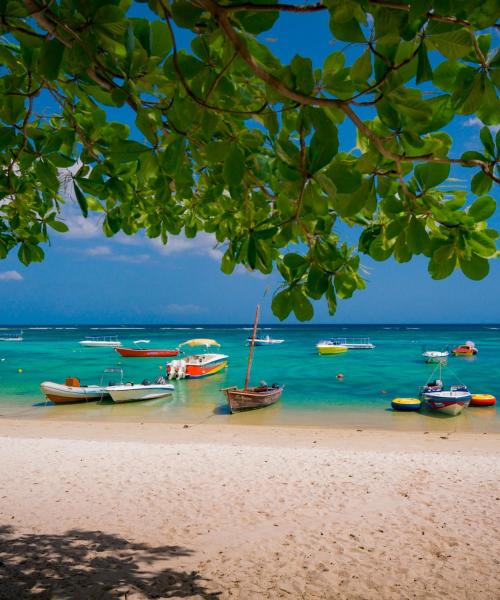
(248, 512)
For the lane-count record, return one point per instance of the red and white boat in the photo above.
(145, 352)
(467, 349)
(195, 366)
(450, 402)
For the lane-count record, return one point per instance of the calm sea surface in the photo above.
(313, 395)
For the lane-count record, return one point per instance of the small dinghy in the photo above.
(406, 404)
(72, 391)
(133, 392)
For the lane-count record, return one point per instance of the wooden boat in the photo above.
(250, 398)
(140, 351)
(195, 366)
(108, 341)
(328, 347)
(72, 391)
(467, 349)
(482, 400)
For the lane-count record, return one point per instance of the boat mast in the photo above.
(252, 344)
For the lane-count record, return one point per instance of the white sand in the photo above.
(159, 511)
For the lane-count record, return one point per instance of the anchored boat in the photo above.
(72, 391)
(195, 366)
(435, 356)
(449, 402)
(140, 351)
(107, 341)
(265, 341)
(329, 347)
(352, 343)
(11, 336)
(467, 349)
(252, 397)
(132, 392)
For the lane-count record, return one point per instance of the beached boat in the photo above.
(450, 402)
(133, 392)
(352, 343)
(72, 391)
(140, 351)
(195, 366)
(108, 341)
(467, 349)
(265, 341)
(328, 347)
(250, 398)
(11, 336)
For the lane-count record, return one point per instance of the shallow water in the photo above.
(313, 395)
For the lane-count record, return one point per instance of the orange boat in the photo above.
(145, 352)
(482, 400)
(197, 365)
(467, 349)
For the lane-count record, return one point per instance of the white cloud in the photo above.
(204, 244)
(98, 251)
(184, 309)
(130, 258)
(11, 276)
(81, 228)
(476, 122)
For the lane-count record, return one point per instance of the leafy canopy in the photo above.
(237, 144)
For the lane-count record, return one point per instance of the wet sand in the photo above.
(141, 510)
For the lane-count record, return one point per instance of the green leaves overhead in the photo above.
(274, 159)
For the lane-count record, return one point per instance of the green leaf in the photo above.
(234, 166)
(476, 267)
(58, 226)
(443, 262)
(51, 58)
(482, 208)
(302, 306)
(362, 68)
(416, 236)
(127, 151)
(451, 41)
(161, 40)
(302, 70)
(487, 140)
(430, 175)
(282, 304)
(481, 183)
(349, 31)
(424, 69)
(82, 200)
(227, 263)
(186, 14)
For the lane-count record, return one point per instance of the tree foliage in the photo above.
(237, 144)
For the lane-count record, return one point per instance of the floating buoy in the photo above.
(406, 404)
(482, 400)
(19, 370)
(340, 376)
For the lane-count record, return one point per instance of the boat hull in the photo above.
(327, 349)
(197, 366)
(252, 398)
(135, 393)
(92, 344)
(264, 342)
(144, 353)
(435, 357)
(67, 394)
(448, 403)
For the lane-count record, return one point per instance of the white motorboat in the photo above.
(352, 343)
(72, 391)
(265, 341)
(435, 356)
(11, 336)
(450, 402)
(109, 341)
(132, 392)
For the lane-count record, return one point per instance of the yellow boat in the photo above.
(330, 348)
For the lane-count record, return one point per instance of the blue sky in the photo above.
(87, 278)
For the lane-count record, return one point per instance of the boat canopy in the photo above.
(200, 342)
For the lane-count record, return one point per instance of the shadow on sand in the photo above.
(91, 565)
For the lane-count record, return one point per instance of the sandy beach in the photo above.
(124, 510)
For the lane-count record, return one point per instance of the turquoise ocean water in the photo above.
(313, 395)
